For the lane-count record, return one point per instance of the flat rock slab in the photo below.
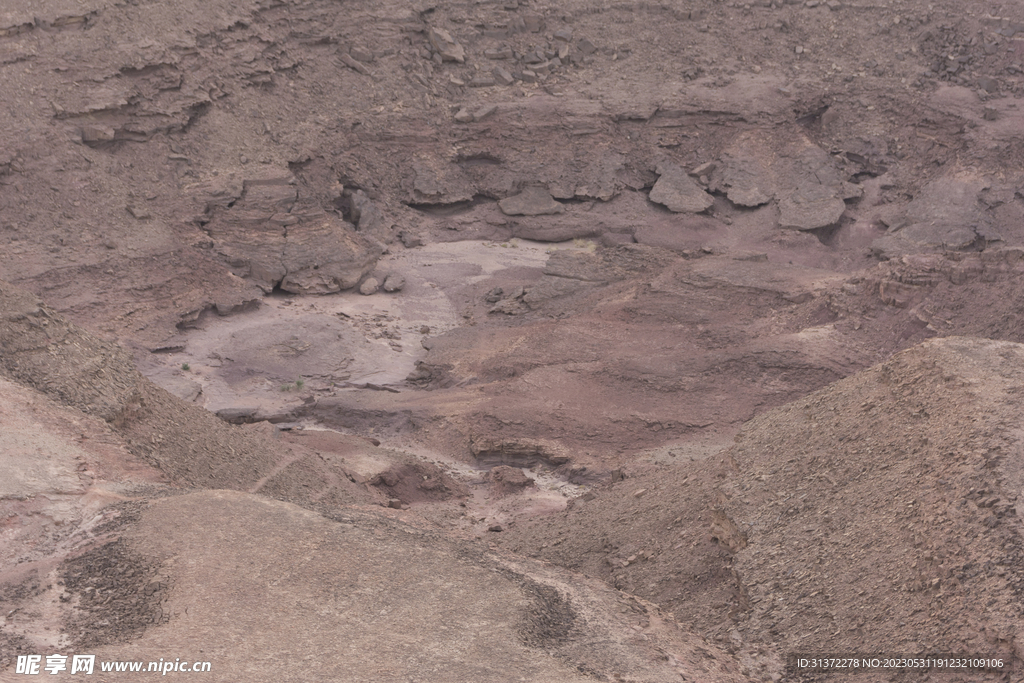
(947, 199)
(810, 207)
(743, 175)
(946, 214)
(750, 272)
(943, 236)
(579, 265)
(617, 217)
(554, 229)
(678, 192)
(532, 201)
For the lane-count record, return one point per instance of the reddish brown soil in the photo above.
(712, 306)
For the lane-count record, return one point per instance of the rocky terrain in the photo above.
(510, 341)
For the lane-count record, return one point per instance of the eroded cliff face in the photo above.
(163, 161)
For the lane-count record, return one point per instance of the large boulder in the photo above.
(810, 206)
(811, 192)
(802, 177)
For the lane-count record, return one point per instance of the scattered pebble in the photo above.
(502, 76)
(485, 111)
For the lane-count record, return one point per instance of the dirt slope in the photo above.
(364, 599)
(65, 476)
(106, 555)
(880, 513)
(191, 446)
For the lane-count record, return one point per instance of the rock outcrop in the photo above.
(271, 237)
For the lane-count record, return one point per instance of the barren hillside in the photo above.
(505, 340)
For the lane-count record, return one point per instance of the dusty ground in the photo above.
(713, 307)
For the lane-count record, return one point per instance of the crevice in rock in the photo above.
(481, 159)
(812, 119)
(452, 209)
(194, 113)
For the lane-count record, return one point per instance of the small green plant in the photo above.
(296, 385)
(584, 244)
(186, 367)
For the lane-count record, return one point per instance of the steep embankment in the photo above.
(878, 514)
